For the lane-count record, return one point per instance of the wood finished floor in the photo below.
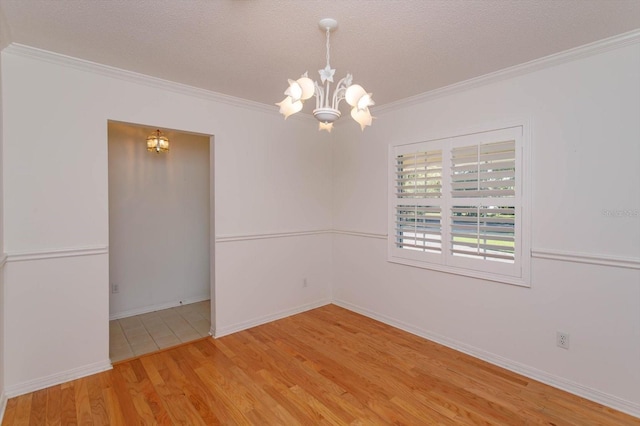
(325, 366)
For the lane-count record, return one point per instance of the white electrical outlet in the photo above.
(115, 288)
(562, 339)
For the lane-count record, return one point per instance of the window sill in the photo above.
(505, 279)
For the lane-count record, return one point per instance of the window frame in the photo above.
(517, 273)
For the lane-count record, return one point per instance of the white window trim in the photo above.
(523, 181)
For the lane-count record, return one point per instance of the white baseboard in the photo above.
(158, 307)
(57, 378)
(603, 398)
(223, 331)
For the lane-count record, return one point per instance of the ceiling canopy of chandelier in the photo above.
(326, 110)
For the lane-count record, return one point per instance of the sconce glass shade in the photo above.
(157, 142)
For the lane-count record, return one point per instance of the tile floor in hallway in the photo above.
(142, 334)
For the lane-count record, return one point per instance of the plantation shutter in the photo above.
(455, 205)
(485, 173)
(484, 170)
(418, 221)
(419, 175)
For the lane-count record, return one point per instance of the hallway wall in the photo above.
(158, 221)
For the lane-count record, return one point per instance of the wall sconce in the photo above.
(157, 142)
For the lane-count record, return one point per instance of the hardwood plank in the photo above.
(83, 405)
(242, 345)
(136, 382)
(68, 407)
(284, 395)
(116, 417)
(229, 409)
(179, 369)
(10, 411)
(328, 366)
(348, 371)
(38, 408)
(54, 406)
(211, 408)
(177, 400)
(123, 403)
(23, 410)
(97, 402)
(205, 403)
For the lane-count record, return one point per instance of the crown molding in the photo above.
(604, 45)
(607, 44)
(29, 52)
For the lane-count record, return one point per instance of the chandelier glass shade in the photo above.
(327, 103)
(157, 142)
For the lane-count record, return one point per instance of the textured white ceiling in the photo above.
(248, 48)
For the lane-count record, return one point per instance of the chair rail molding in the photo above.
(56, 253)
(588, 258)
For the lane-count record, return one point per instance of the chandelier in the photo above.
(157, 142)
(326, 111)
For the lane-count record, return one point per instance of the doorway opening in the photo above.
(160, 240)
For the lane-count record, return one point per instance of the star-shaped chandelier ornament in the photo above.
(327, 112)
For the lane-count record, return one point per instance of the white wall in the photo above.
(271, 177)
(158, 221)
(2, 256)
(586, 129)
(4, 31)
(56, 311)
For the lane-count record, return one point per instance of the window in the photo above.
(456, 205)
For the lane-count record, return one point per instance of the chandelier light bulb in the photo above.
(300, 89)
(294, 91)
(288, 107)
(353, 94)
(326, 111)
(365, 102)
(362, 117)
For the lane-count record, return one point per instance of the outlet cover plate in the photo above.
(562, 340)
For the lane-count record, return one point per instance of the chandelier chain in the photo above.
(328, 47)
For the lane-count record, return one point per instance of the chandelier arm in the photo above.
(319, 94)
(339, 93)
(326, 93)
(338, 96)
